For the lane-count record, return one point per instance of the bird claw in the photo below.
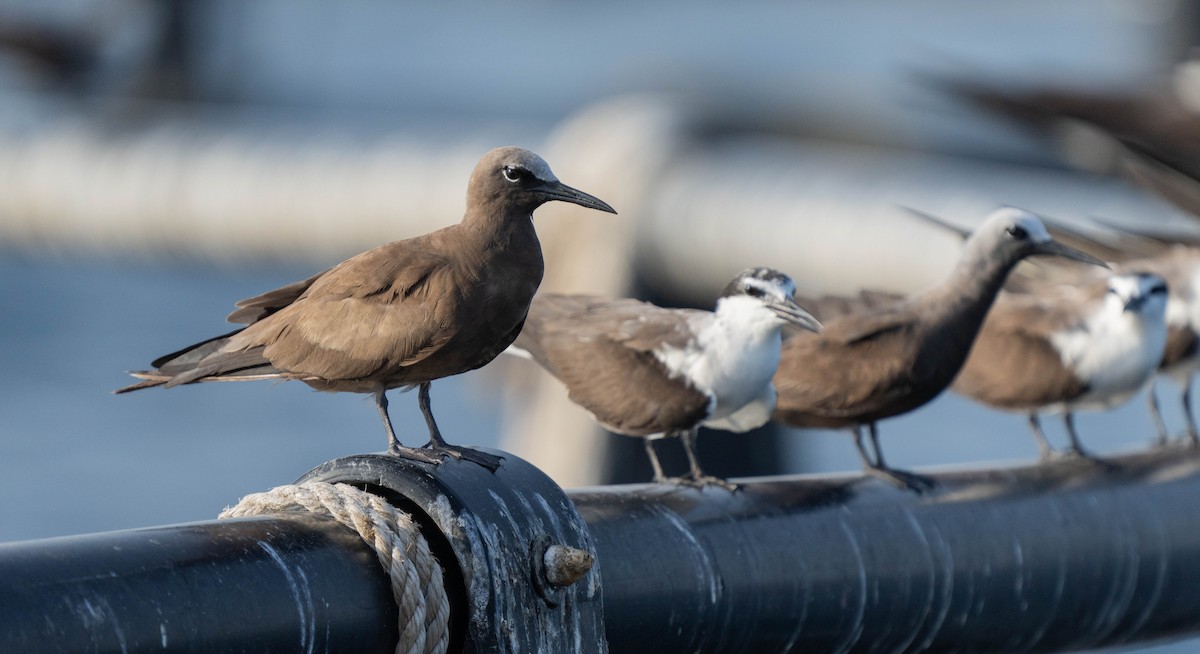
(434, 454)
(702, 481)
(1081, 458)
(414, 454)
(1080, 455)
(489, 461)
(919, 484)
(698, 483)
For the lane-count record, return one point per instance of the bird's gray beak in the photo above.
(1134, 303)
(556, 190)
(795, 314)
(1058, 249)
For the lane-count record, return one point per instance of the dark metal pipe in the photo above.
(515, 552)
(242, 585)
(1050, 558)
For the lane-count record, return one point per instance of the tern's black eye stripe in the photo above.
(1018, 232)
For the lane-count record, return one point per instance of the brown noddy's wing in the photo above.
(1013, 364)
(378, 311)
(253, 309)
(602, 350)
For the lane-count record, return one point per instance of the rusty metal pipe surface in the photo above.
(1067, 556)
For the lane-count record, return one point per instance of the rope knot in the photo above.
(417, 578)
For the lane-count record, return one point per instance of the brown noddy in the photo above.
(870, 365)
(400, 315)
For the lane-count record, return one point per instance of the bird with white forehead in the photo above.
(652, 372)
(873, 364)
(1066, 348)
(1054, 296)
(400, 315)
(1178, 263)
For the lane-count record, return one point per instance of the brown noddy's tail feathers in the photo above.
(205, 361)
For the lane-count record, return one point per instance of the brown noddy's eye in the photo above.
(515, 174)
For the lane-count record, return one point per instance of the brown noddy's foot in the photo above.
(919, 484)
(489, 461)
(1081, 457)
(415, 454)
(1190, 440)
(701, 481)
(1076, 454)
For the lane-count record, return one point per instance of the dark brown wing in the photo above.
(866, 326)
(1013, 364)
(258, 307)
(603, 352)
(372, 313)
(827, 307)
(1181, 344)
(859, 369)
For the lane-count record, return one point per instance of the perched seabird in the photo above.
(402, 314)
(1066, 349)
(870, 365)
(1179, 264)
(1180, 267)
(1132, 253)
(642, 370)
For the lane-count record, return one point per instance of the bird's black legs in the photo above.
(874, 433)
(862, 451)
(439, 446)
(394, 446)
(1160, 427)
(879, 468)
(1076, 448)
(381, 403)
(436, 442)
(1074, 452)
(659, 477)
(695, 474)
(1045, 451)
(1192, 435)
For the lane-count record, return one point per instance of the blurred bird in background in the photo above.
(877, 363)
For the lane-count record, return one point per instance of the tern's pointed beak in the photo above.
(556, 190)
(795, 314)
(1058, 249)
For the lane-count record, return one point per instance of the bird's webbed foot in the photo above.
(904, 480)
(442, 450)
(701, 481)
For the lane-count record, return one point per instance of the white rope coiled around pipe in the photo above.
(416, 576)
